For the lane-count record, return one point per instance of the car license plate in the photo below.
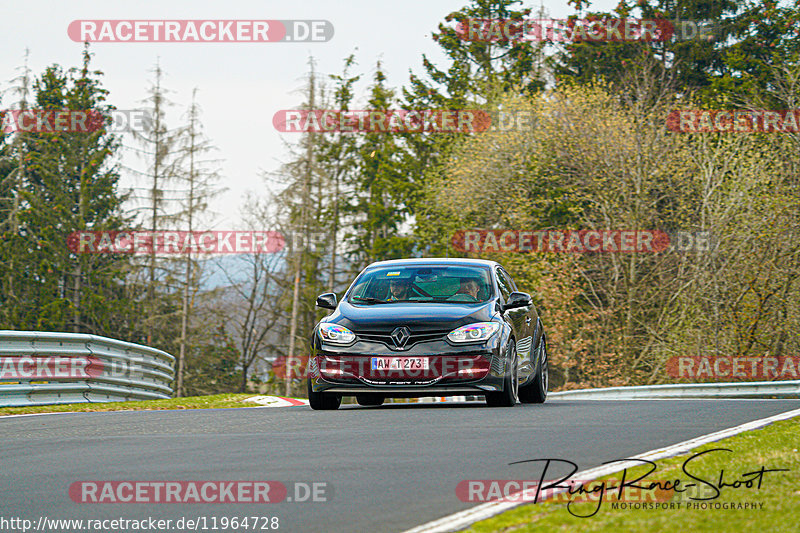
(400, 363)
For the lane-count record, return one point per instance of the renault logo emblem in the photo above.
(400, 336)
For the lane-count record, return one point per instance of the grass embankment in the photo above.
(217, 401)
(776, 503)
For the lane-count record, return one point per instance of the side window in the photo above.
(502, 282)
(509, 280)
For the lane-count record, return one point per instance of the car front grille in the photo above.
(417, 336)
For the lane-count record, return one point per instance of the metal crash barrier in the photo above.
(745, 389)
(42, 368)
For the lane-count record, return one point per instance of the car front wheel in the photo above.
(508, 396)
(536, 391)
(324, 401)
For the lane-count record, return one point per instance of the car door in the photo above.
(524, 323)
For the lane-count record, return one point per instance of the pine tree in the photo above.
(199, 182)
(302, 214)
(158, 201)
(336, 157)
(12, 176)
(477, 75)
(380, 187)
(69, 185)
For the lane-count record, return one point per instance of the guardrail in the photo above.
(752, 389)
(42, 368)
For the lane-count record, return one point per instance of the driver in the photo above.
(398, 290)
(470, 287)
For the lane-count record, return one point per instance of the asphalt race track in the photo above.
(387, 469)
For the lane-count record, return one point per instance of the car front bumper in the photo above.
(452, 370)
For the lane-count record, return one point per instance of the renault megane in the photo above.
(429, 327)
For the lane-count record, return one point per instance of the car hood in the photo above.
(417, 316)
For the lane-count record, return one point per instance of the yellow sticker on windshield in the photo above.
(393, 273)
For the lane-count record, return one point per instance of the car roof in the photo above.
(462, 261)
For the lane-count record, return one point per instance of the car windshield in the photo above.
(447, 284)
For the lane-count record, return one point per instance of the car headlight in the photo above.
(336, 334)
(480, 331)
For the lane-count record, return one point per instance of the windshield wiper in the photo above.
(369, 300)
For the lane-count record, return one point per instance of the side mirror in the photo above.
(518, 299)
(327, 300)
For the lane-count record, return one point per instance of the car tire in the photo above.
(322, 401)
(369, 400)
(508, 396)
(536, 391)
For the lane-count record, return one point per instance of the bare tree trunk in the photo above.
(78, 273)
(293, 325)
(154, 198)
(334, 231)
(243, 385)
(19, 173)
(299, 253)
(192, 200)
(186, 284)
(184, 326)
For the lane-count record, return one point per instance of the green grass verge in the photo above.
(217, 401)
(774, 446)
